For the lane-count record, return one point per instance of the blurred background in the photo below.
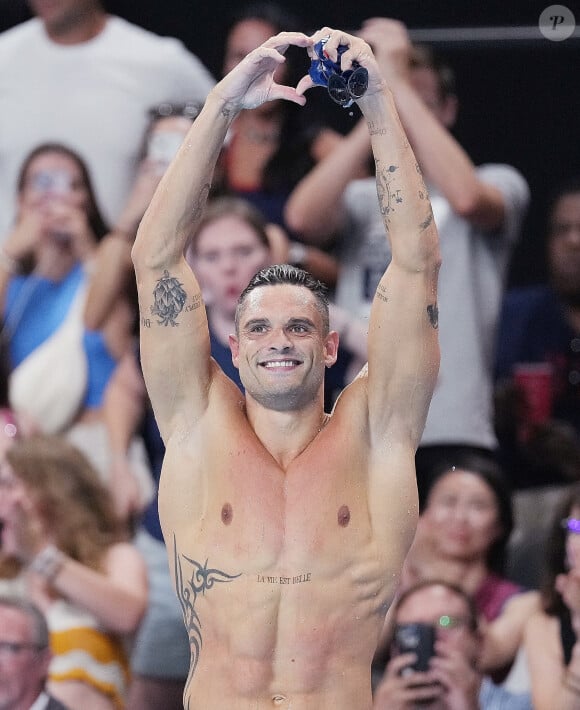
(519, 92)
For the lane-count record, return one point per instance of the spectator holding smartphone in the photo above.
(59, 367)
(452, 680)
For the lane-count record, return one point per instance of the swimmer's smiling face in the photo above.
(282, 347)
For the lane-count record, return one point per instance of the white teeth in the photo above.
(280, 363)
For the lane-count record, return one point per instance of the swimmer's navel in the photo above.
(343, 516)
(227, 514)
(278, 700)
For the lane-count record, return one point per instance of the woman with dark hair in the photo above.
(461, 538)
(62, 543)
(59, 367)
(272, 147)
(464, 528)
(552, 635)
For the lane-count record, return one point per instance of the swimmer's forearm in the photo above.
(403, 198)
(178, 202)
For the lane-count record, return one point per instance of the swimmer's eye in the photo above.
(258, 328)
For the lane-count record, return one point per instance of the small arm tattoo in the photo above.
(196, 302)
(375, 130)
(388, 196)
(168, 299)
(381, 293)
(427, 221)
(433, 314)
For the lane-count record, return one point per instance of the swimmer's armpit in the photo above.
(192, 579)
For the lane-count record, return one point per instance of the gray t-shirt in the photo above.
(471, 285)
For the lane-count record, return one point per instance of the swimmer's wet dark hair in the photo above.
(280, 274)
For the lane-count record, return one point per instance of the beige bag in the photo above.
(49, 385)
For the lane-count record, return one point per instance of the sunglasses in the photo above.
(344, 87)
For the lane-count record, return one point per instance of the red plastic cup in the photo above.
(535, 382)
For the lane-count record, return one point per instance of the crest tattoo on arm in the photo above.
(201, 578)
(169, 299)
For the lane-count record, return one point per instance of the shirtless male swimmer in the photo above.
(286, 527)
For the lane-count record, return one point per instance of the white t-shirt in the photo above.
(471, 286)
(93, 97)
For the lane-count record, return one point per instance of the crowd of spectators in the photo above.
(94, 111)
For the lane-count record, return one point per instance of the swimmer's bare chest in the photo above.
(275, 570)
(234, 498)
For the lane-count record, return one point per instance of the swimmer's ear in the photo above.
(235, 348)
(331, 348)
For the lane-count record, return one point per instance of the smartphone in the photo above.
(418, 639)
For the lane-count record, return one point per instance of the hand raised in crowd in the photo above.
(68, 225)
(148, 176)
(401, 688)
(25, 236)
(127, 494)
(391, 46)
(458, 677)
(23, 534)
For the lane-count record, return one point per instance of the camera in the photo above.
(343, 87)
(418, 639)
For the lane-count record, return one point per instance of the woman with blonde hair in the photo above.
(61, 537)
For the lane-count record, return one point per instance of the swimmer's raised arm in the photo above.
(403, 352)
(175, 344)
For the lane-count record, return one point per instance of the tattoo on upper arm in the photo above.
(433, 313)
(169, 299)
(188, 589)
(381, 293)
(196, 302)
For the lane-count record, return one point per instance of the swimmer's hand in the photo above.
(251, 82)
(358, 51)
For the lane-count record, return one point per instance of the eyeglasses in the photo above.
(571, 525)
(10, 649)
